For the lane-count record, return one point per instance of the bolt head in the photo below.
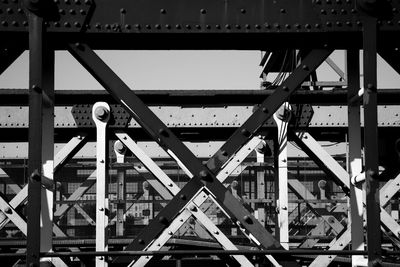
(101, 113)
(234, 184)
(119, 147)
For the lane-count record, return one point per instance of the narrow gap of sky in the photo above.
(142, 70)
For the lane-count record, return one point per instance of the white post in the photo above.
(120, 149)
(282, 117)
(101, 115)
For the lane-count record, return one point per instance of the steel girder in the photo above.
(201, 176)
(337, 97)
(233, 24)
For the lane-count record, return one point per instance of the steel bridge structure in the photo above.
(128, 177)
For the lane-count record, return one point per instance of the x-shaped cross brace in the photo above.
(336, 171)
(173, 189)
(202, 176)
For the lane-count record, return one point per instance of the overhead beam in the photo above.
(70, 97)
(234, 24)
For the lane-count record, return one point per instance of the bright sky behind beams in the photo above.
(174, 70)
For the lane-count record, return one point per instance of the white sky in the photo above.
(174, 70)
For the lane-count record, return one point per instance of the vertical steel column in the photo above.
(260, 211)
(101, 115)
(46, 230)
(371, 142)
(355, 159)
(41, 137)
(120, 150)
(282, 117)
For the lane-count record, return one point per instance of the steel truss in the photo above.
(80, 26)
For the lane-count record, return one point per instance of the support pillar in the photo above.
(374, 241)
(282, 117)
(260, 210)
(355, 160)
(120, 150)
(41, 138)
(101, 115)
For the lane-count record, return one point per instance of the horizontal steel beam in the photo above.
(233, 24)
(19, 97)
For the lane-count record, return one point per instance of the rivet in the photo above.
(163, 132)
(163, 11)
(245, 132)
(248, 219)
(8, 210)
(371, 87)
(203, 11)
(158, 26)
(205, 176)
(122, 10)
(66, 24)
(163, 220)
(141, 241)
(227, 26)
(193, 208)
(168, 26)
(178, 26)
(182, 196)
